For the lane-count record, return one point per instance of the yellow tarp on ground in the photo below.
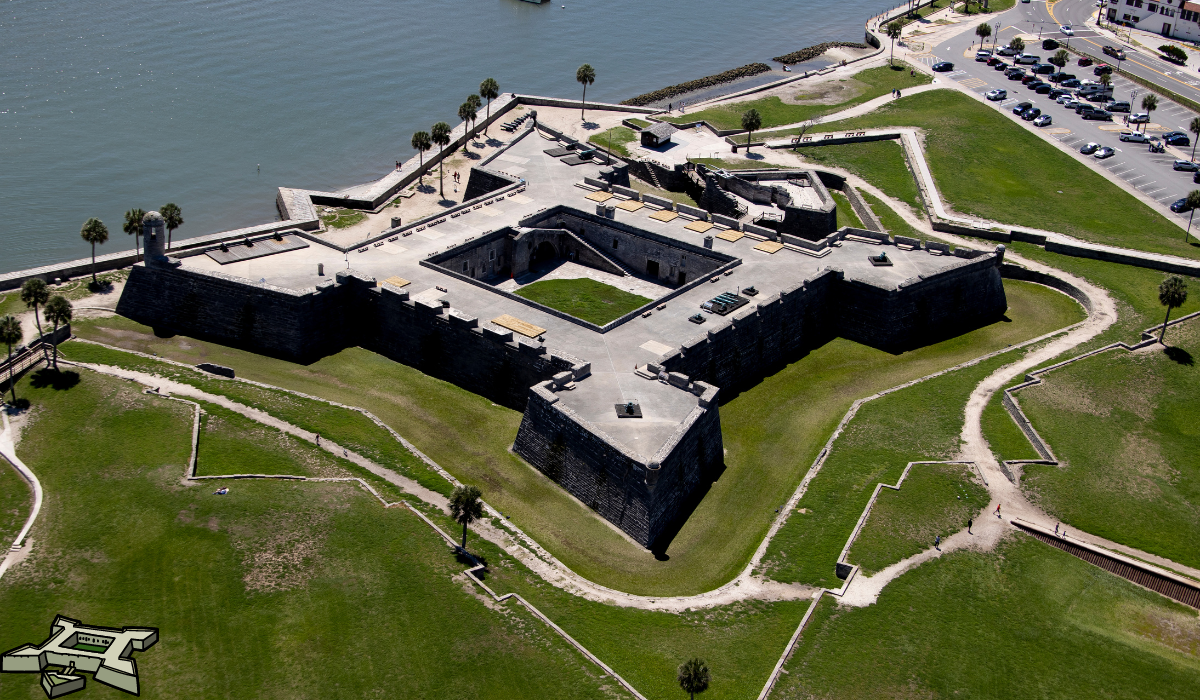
(600, 196)
(699, 226)
(397, 281)
(731, 236)
(664, 215)
(630, 205)
(516, 324)
(769, 247)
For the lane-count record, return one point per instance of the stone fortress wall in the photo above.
(642, 497)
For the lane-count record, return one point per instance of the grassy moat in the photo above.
(586, 299)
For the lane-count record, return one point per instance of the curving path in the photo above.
(8, 451)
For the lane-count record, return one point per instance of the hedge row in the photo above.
(813, 51)
(701, 83)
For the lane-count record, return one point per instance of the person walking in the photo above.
(897, 94)
(970, 522)
(937, 543)
(318, 439)
(997, 511)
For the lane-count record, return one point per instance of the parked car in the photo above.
(943, 67)
(1031, 114)
(983, 55)
(1071, 83)
(1185, 166)
(1001, 65)
(1049, 44)
(1060, 76)
(1084, 61)
(1027, 59)
(1007, 50)
(1021, 107)
(1085, 107)
(1106, 152)
(997, 95)
(1117, 107)
(1180, 205)
(1098, 115)
(1043, 120)
(1066, 29)
(1089, 148)
(993, 60)
(1176, 138)
(1015, 74)
(1114, 52)
(1065, 100)
(1196, 177)
(1102, 69)
(1027, 79)
(1058, 92)
(1045, 68)
(1043, 89)
(1139, 118)
(1134, 137)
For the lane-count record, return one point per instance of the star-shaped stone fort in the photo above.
(625, 415)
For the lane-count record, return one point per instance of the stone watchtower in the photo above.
(154, 238)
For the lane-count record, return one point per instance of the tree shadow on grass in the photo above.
(54, 379)
(1180, 355)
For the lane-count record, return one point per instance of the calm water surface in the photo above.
(111, 104)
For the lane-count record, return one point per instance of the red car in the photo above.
(994, 60)
(1028, 79)
(1085, 61)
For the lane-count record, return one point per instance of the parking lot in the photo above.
(1149, 173)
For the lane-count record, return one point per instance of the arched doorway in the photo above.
(543, 254)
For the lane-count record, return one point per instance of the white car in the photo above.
(1043, 120)
(1134, 137)
(1066, 29)
(996, 95)
(1063, 99)
(1139, 118)
(983, 55)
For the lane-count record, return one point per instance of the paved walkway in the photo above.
(8, 451)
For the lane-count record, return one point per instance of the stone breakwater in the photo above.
(813, 51)
(698, 84)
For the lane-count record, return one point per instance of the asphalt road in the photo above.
(1150, 173)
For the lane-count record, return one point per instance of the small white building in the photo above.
(1176, 19)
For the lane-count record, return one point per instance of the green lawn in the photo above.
(584, 299)
(16, 498)
(677, 197)
(880, 163)
(342, 218)
(772, 433)
(892, 222)
(845, 213)
(881, 439)
(935, 499)
(987, 166)
(735, 164)
(1125, 427)
(1023, 621)
(862, 87)
(350, 429)
(639, 123)
(615, 139)
(1004, 437)
(278, 590)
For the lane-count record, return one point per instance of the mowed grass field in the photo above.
(583, 298)
(987, 166)
(1022, 621)
(861, 87)
(1125, 427)
(935, 500)
(771, 432)
(277, 590)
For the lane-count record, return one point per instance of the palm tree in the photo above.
(421, 142)
(10, 334)
(1192, 201)
(133, 226)
(1194, 127)
(173, 217)
(586, 75)
(693, 677)
(1172, 293)
(893, 33)
(466, 507)
(1149, 103)
(983, 31)
(1060, 58)
(466, 113)
(1017, 44)
(1105, 79)
(94, 231)
(58, 312)
(475, 103)
(750, 122)
(440, 135)
(489, 90)
(35, 293)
